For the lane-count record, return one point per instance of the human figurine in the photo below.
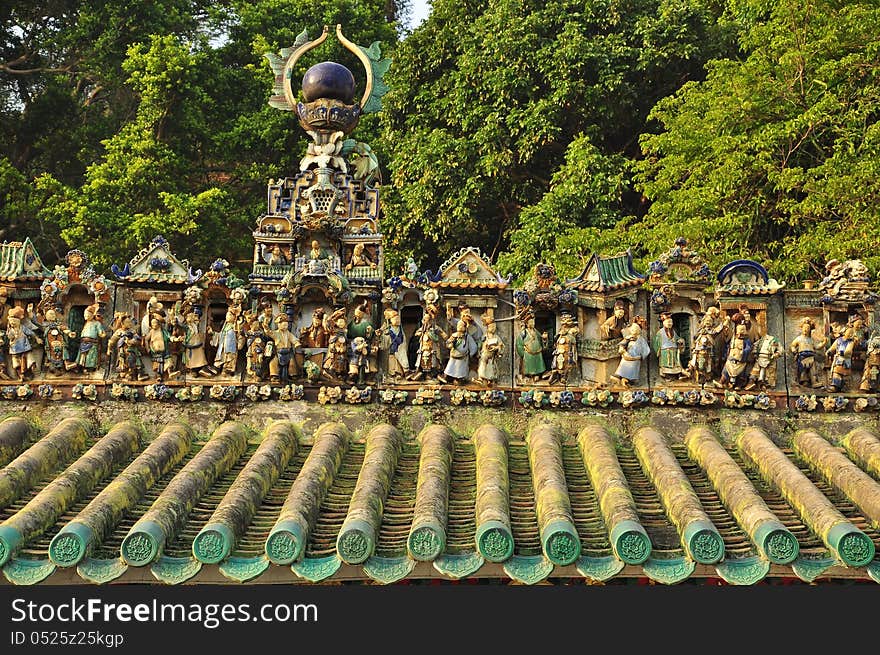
(491, 351)
(154, 309)
(461, 348)
(841, 351)
(157, 341)
(393, 341)
(804, 348)
(429, 336)
(21, 339)
(753, 332)
(633, 348)
(358, 360)
(360, 326)
(719, 330)
(89, 340)
(282, 367)
(122, 345)
(464, 315)
(765, 351)
(267, 317)
(700, 366)
(315, 335)
(871, 375)
(530, 346)
(668, 346)
(736, 359)
(336, 360)
(564, 354)
(614, 325)
(274, 256)
(359, 257)
(194, 359)
(258, 348)
(227, 342)
(56, 345)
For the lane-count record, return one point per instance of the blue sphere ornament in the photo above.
(328, 80)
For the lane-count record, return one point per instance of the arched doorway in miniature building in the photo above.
(682, 324)
(74, 303)
(311, 298)
(411, 315)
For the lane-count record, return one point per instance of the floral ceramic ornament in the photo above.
(329, 395)
(393, 397)
(427, 396)
(493, 398)
(462, 397)
(806, 403)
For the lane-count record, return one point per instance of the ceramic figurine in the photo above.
(282, 367)
(258, 349)
(491, 351)
(871, 376)
(336, 360)
(765, 351)
(633, 348)
(316, 335)
(360, 326)
(613, 326)
(274, 256)
(530, 346)
(267, 317)
(393, 341)
(564, 353)
(736, 359)
(124, 348)
(227, 342)
(668, 346)
(461, 348)
(56, 345)
(744, 317)
(841, 351)
(154, 309)
(157, 341)
(804, 349)
(194, 359)
(465, 316)
(359, 360)
(90, 339)
(21, 339)
(359, 257)
(700, 366)
(429, 336)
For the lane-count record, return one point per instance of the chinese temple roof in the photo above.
(304, 500)
(156, 264)
(603, 274)
(19, 261)
(745, 277)
(469, 269)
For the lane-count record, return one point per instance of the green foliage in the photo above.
(775, 157)
(502, 112)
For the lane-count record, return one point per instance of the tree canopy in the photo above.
(535, 130)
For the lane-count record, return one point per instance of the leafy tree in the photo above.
(776, 156)
(514, 121)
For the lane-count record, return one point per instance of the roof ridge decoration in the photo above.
(156, 263)
(680, 264)
(19, 260)
(745, 277)
(607, 273)
(846, 281)
(470, 268)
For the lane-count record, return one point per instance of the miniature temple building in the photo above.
(745, 291)
(680, 281)
(608, 301)
(472, 291)
(21, 272)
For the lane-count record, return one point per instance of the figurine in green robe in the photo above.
(530, 346)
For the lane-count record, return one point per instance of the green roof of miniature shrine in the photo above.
(299, 499)
(19, 261)
(604, 274)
